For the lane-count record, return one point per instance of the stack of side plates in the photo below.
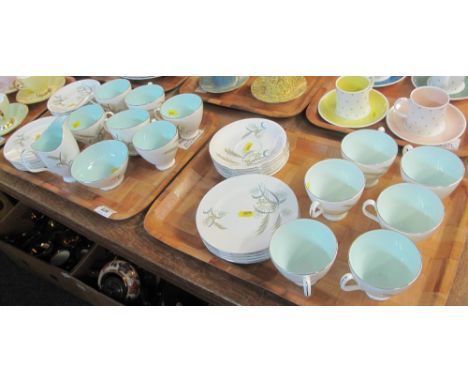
(238, 216)
(22, 140)
(249, 146)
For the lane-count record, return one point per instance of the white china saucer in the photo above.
(455, 125)
(72, 96)
(22, 139)
(239, 215)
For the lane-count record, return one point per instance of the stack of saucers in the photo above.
(249, 146)
(238, 216)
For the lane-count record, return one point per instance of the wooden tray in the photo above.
(171, 219)
(242, 99)
(140, 187)
(35, 110)
(167, 82)
(392, 92)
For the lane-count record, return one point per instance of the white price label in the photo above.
(454, 145)
(186, 143)
(104, 211)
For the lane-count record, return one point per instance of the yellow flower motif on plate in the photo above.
(247, 147)
(76, 124)
(114, 170)
(37, 136)
(246, 214)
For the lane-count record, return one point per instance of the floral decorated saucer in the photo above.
(72, 96)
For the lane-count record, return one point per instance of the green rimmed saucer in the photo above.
(419, 81)
(29, 96)
(14, 116)
(378, 103)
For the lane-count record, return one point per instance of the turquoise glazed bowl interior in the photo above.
(99, 161)
(369, 147)
(334, 180)
(127, 119)
(410, 208)
(85, 117)
(432, 166)
(303, 246)
(51, 138)
(385, 259)
(145, 94)
(181, 106)
(112, 89)
(155, 135)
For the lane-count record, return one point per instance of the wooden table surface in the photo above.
(129, 239)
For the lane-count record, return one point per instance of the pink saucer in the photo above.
(455, 125)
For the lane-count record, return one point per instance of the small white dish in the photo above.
(72, 96)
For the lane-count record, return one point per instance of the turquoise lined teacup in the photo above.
(186, 112)
(157, 143)
(56, 148)
(334, 186)
(409, 209)
(383, 263)
(124, 125)
(101, 165)
(435, 168)
(111, 95)
(373, 151)
(148, 97)
(303, 251)
(87, 123)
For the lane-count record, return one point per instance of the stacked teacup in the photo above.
(249, 146)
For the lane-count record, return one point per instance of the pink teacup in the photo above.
(424, 110)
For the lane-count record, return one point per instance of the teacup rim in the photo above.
(68, 119)
(361, 190)
(335, 252)
(421, 88)
(402, 161)
(174, 138)
(367, 88)
(129, 111)
(129, 86)
(144, 86)
(168, 117)
(403, 237)
(404, 232)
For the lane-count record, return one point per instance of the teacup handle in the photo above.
(366, 204)
(25, 163)
(406, 148)
(381, 129)
(397, 106)
(108, 114)
(307, 285)
(157, 114)
(315, 209)
(345, 279)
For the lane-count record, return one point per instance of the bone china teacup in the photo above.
(352, 97)
(111, 95)
(424, 111)
(147, 97)
(435, 168)
(372, 151)
(409, 209)
(186, 112)
(333, 186)
(451, 84)
(383, 263)
(56, 148)
(157, 143)
(124, 125)
(87, 123)
(303, 251)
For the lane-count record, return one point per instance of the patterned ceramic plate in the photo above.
(378, 103)
(22, 139)
(240, 214)
(29, 96)
(419, 81)
(71, 97)
(278, 89)
(14, 116)
(248, 143)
